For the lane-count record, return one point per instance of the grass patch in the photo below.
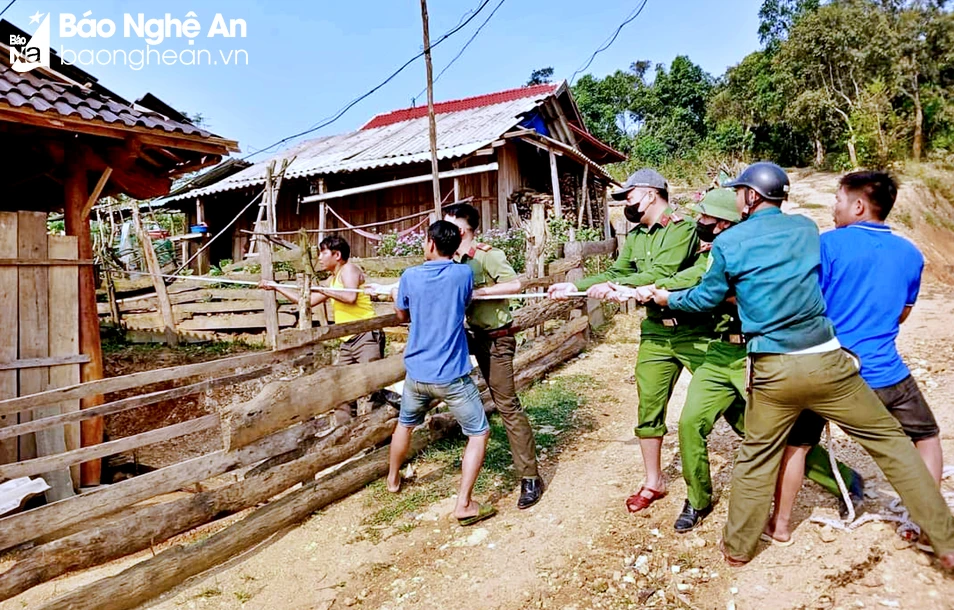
(904, 217)
(813, 206)
(210, 592)
(552, 408)
(242, 596)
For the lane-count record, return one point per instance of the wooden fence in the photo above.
(39, 342)
(271, 442)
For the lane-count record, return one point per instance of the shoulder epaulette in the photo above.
(484, 247)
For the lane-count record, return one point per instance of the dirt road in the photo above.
(579, 548)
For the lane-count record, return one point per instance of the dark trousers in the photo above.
(495, 360)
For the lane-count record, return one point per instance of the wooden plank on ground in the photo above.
(9, 451)
(64, 343)
(63, 460)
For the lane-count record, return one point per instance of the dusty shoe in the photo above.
(689, 518)
(531, 490)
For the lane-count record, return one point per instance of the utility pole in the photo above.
(432, 122)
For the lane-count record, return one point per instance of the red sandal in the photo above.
(638, 501)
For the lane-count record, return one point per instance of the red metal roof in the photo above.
(611, 154)
(467, 103)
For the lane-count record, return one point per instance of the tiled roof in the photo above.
(467, 103)
(36, 92)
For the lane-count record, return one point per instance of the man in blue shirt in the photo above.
(870, 278)
(771, 261)
(434, 298)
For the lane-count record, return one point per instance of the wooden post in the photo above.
(152, 265)
(536, 241)
(265, 258)
(322, 212)
(607, 231)
(76, 193)
(114, 314)
(456, 189)
(8, 329)
(304, 294)
(431, 121)
(585, 201)
(555, 180)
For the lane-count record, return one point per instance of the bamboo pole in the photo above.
(265, 258)
(431, 120)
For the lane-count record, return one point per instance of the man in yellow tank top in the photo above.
(333, 256)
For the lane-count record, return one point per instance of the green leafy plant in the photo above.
(392, 244)
(513, 242)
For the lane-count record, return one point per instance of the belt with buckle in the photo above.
(670, 322)
(734, 339)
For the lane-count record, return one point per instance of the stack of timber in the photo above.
(276, 444)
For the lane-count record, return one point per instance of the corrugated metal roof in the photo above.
(458, 134)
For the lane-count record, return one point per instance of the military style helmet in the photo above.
(719, 203)
(767, 179)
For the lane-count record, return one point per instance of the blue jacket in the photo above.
(771, 261)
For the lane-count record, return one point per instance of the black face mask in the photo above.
(706, 232)
(632, 214)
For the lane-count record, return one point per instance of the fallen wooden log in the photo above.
(147, 526)
(283, 403)
(144, 526)
(51, 518)
(171, 567)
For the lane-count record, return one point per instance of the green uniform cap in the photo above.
(719, 203)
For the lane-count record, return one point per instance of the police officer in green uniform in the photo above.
(492, 342)
(718, 385)
(661, 245)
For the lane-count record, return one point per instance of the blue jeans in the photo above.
(460, 395)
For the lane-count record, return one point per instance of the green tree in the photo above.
(606, 105)
(776, 18)
(834, 53)
(540, 76)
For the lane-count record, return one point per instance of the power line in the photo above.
(462, 49)
(355, 101)
(609, 43)
(7, 7)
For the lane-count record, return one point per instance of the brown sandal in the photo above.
(732, 561)
(638, 501)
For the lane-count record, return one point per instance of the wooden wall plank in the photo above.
(34, 333)
(64, 337)
(33, 313)
(8, 329)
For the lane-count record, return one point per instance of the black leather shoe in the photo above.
(531, 490)
(856, 491)
(689, 518)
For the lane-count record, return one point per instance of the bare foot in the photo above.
(471, 509)
(947, 561)
(776, 532)
(393, 484)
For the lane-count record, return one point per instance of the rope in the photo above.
(838, 478)
(379, 289)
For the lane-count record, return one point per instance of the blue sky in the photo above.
(307, 59)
